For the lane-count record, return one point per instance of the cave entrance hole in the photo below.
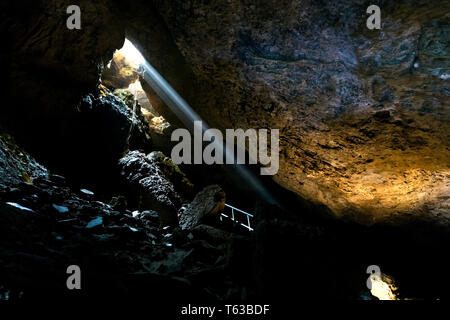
(123, 75)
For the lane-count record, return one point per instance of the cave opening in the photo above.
(124, 73)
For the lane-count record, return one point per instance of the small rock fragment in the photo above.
(18, 206)
(60, 209)
(133, 229)
(86, 192)
(136, 214)
(94, 223)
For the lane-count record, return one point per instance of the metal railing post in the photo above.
(233, 218)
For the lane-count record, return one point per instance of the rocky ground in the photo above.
(46, 226)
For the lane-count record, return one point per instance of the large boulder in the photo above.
(155, 183)
(113, 124)
(92, 137)
(208, 202)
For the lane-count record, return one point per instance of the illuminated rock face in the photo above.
(363, 115)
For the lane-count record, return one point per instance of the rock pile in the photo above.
(45, 226)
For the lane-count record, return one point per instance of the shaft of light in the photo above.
(187, 116)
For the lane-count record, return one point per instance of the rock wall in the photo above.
(363, 115)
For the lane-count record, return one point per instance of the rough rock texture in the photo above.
(48, 70)
(126, 97)
(141, 120)
(364, 119)
(120, 74)
(16, 165)
(124, 74)
(156, 182)
(149, 33)
(209, 201)
(50, 66)
(110, 119)
(45, 44)
(46, 226)
(90, 139)
(363, 115)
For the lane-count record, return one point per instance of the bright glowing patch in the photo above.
(382, 290)
(132, 54)
(135, 88)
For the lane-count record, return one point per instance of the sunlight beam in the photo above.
(183, 111)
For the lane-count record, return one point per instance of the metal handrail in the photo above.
(248, 215)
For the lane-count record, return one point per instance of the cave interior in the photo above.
(87, 176)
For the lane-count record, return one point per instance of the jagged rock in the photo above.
(60, 209)
(119, 203)
(208, 202)
(173, 173)
(114, 125)
(158, 183)
(211, 234)
(16, 165)
(17, 221)
(314, 71)
(45, 226)
(91, 138)
(120, 73)
(159, 129)
(94, 223)
(86, 193)
(45, 82)
(149, 215)
(133, 104)
(172, 263)
(128, 98)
